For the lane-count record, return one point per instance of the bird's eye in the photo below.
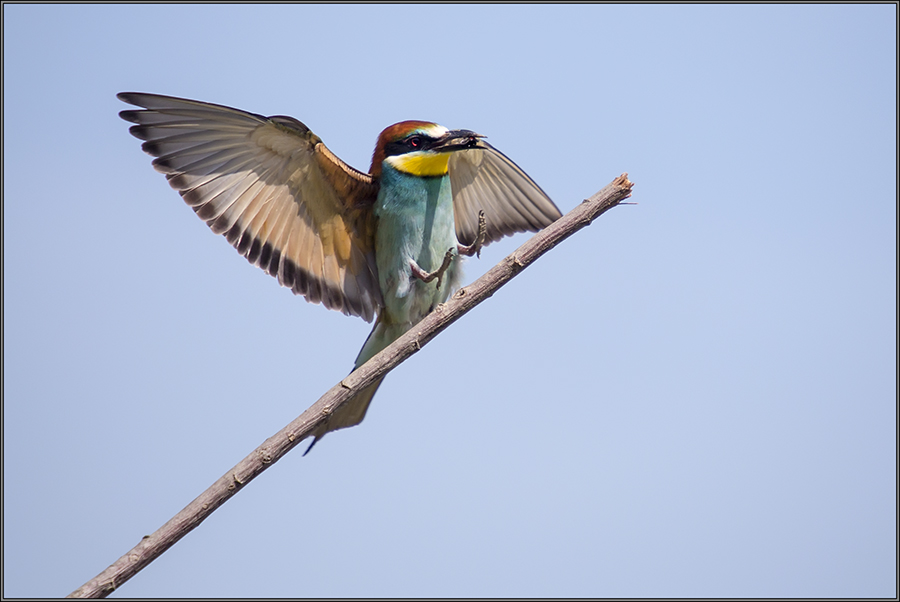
(414, 142)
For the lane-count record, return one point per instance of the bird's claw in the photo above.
(467, 250)
(437, 274)
(475, 247)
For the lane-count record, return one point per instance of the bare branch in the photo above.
(276, 446)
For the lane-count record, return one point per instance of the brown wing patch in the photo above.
(276, 193)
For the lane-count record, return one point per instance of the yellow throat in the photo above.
(422, 163)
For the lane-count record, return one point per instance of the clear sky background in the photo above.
(695, 396)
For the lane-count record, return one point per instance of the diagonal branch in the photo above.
(276, 446)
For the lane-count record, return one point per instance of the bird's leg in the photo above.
(475, 247)
(438, 273)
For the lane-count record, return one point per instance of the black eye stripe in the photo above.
(412, 143)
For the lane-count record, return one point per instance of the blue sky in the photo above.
(696, 396)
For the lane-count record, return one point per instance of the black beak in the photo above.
(456, 140)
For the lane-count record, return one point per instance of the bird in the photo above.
(384, 245)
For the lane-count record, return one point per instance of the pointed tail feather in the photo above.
(353, 412)
(349, 414)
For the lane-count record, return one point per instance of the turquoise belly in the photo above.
(415, 222)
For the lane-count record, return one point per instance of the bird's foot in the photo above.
(475, 247)
(437, 274)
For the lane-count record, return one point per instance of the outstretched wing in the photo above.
(273, 189)
(483, 178)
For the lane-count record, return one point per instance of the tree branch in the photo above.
(276, 446)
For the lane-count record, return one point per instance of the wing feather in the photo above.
(484, 179)
(273, 189)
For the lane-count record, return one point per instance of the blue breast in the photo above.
(415, 222)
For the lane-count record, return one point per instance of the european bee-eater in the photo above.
(380, 245)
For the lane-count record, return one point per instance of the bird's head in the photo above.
(420, 148)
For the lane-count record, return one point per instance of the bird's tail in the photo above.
(353, 412)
